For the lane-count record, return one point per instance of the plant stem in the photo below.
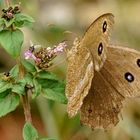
(7, 2)
(25, 97)
(26, 107)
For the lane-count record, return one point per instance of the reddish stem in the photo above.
(25, 97)
(26, 107)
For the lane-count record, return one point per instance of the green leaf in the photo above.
(29, 66)
(1, 24)
(14, 71)
(56, 96)
(8, 103)
(29, 132)
(12, 41)
(47, 75)
(9, 23)
(29, 79)
(22, 20)
(19, 88)
(36, 89)
(54, 90)
(4, 86)
(5, 93)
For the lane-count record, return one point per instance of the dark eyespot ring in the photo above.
(129, 77)
(104, 26)
(138, 62)
(100, 48)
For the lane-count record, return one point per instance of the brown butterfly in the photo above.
(99, 99)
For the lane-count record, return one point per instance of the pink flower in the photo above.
(60, 48)
(28, 54)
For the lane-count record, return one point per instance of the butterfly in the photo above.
(100, 76)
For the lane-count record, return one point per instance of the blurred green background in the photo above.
(53, 18)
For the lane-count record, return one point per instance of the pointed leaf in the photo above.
(1, 24)
(4, 86)
(36, 89)
(29, 132)
(28, 65)
(12, 41)
(54, 90)
(8, 103)
(22, 20)
(52, 95)
(47, 75)
(14, 71)
(19, 88)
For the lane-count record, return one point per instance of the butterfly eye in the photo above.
(129, 77)
(104, 26)
(138, 62)
(100, 49)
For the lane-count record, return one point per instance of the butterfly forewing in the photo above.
(96, 38)
(79, 76)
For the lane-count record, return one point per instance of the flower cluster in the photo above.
(9, 13)
(43, 56)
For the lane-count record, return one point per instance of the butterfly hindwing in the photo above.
(110, 87)
(122, 70)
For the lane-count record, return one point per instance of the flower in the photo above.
(28, 54)
(51, 52)
(60, 48)
(43, 56)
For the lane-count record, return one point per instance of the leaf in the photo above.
(19, 88)
(47, 75)
(29, 132)
(8, 103)
(22, 20)
(9, 23)
(4, 86)
(56, 96)
(36, 89)
(14, 71)
(12, 41)
(29, 66)
(29, 79)
(1, 24)
(5, 93)
(54, 90)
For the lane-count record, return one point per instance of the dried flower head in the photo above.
(43, 56)
(10, 12)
